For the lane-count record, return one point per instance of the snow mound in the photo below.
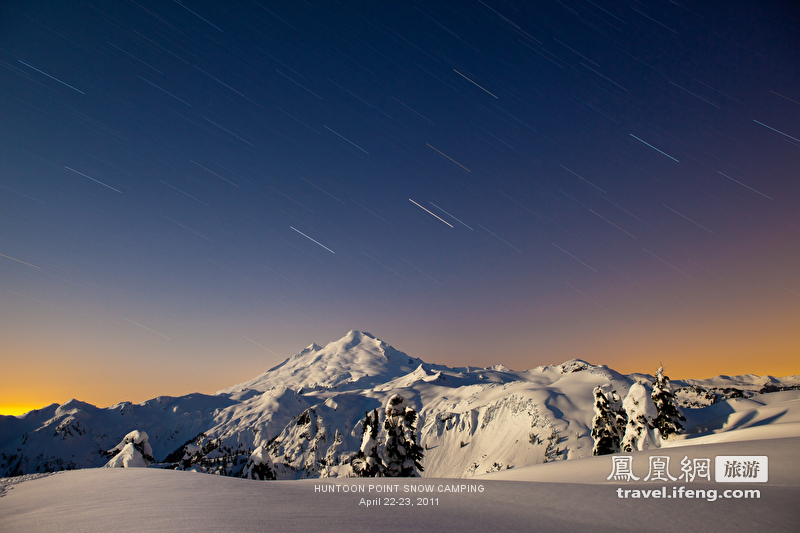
(641, 413)
(133, 451)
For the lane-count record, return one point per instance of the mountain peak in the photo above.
(72, 406)
(355, 334)
(353, 339)
(355, 360)
(313, 347)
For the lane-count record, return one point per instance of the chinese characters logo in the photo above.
(727, 469)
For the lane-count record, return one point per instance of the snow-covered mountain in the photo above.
(307, 414)
(357, 360)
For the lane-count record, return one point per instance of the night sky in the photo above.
(192, 191)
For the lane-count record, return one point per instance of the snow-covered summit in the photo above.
(357, 359)
(72, 406)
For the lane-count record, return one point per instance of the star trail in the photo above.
(192, 191)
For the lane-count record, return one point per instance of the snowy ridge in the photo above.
(303, 418)
(745, 382)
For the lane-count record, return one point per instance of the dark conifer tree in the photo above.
(605, 424)
(669, 417)
(402, 454)
(393, 452)
(367, 462)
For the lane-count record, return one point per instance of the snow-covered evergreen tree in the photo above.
(132, 451)
(367, 462)
(259, 465)
(669, 417)
(393, 452)
(402, 454)
(608, 424)
(640, 411)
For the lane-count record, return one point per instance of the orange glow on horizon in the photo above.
(11, 409)
(681, 362)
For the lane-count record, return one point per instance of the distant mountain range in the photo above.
(307, 413)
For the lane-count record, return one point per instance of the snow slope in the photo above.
(747, 426)
(306, 414)
(565, 497)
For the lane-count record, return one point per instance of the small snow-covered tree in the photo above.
(608, 424)
(259, 465)
(132, 451)
(191, 455)
(640, 411)
(367, 462)
(669, 417)
(402, 454)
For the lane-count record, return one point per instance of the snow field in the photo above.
(565, 497)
